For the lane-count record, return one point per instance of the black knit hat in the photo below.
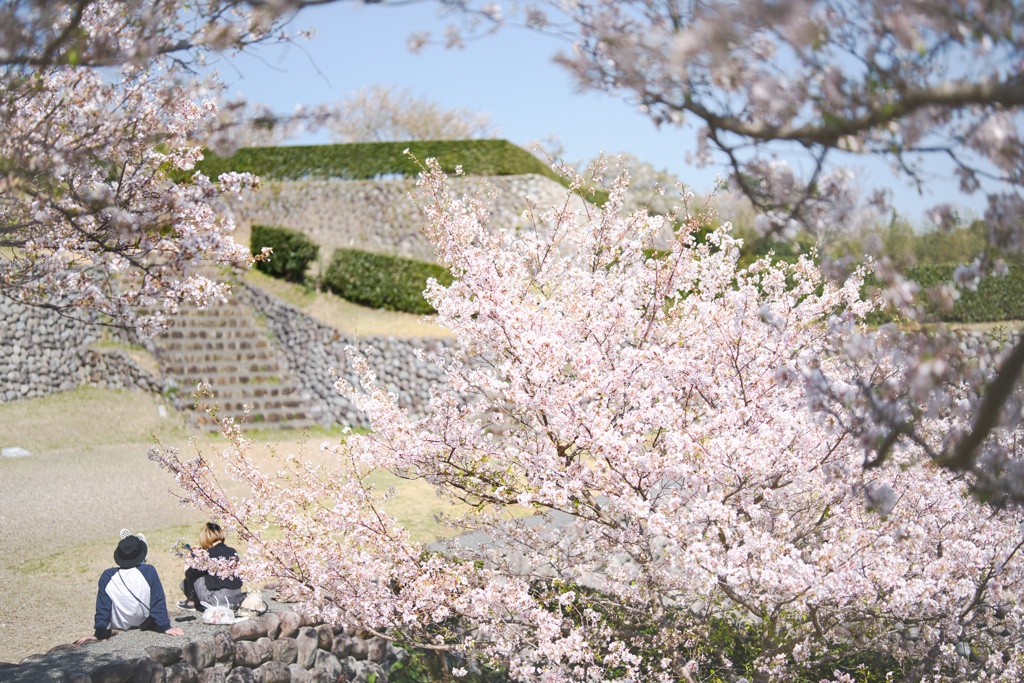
(131, 552)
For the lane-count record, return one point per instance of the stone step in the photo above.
(258, 404)
(254, 420)
(235, 387)
(199, 362)
(227, 347)
(223, 365)
(228, 326)
(198, 354)
(179, 345)
(263, 399)
(168, 357)
(265, 411)
(223, 333)
(281, 413)
(226, 311)
(225, 384)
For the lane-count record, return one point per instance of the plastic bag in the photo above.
(219, 614)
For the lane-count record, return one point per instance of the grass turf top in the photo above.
(375, 160)
(368, 160)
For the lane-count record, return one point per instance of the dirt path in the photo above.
(88, 477)
(61, 509)
(60, 513)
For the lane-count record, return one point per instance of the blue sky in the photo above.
(510, 75)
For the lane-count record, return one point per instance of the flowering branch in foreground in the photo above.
(652, 411)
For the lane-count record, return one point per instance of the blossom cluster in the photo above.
(650, 409)
(92, 216)
(97, 207)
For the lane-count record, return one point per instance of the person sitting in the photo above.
(203, 589)
(130, 595)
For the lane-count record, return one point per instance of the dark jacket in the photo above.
(216, 583)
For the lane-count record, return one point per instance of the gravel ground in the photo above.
(88, 477)
(60, 514)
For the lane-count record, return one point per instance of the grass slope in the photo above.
(346, 316)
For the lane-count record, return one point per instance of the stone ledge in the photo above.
(281, 645)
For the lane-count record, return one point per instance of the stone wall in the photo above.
(379, 215)
(313, 349)
(989, 348)
(277, 647)
(43, 352)
(115, 369)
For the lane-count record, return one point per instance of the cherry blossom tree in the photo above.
(90, 216)
(100, 105)
(382, 113)
(931, 87)
(651, 412)
(920, 84)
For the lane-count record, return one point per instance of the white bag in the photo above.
(219, 614)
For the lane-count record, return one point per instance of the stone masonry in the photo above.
(380, 215)
(43, 352)
(313, 350)
(228, 349)
(278, 647)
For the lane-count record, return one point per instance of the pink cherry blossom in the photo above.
(644, 408)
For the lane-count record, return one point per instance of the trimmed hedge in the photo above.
(367, 160)
(997, 298)
(293, 251)
(382, 281)
(371, 160)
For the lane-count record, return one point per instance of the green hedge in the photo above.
(369, 160)
(997, 298)
(361, 161)
(382, 281)
(293, 251)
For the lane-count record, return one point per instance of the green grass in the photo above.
(92, 557)
(415, 505)
(87, 417)
(82, 424)
(356, 320)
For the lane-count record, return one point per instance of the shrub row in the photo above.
(997, 298)
(367, 160)
(382, 281)
(370, 160)
(293, 251)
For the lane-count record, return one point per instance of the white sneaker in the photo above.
(125, 534)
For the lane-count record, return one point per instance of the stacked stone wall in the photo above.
(313, 350)
(380, 215)
(278, 647)
(43, 352)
